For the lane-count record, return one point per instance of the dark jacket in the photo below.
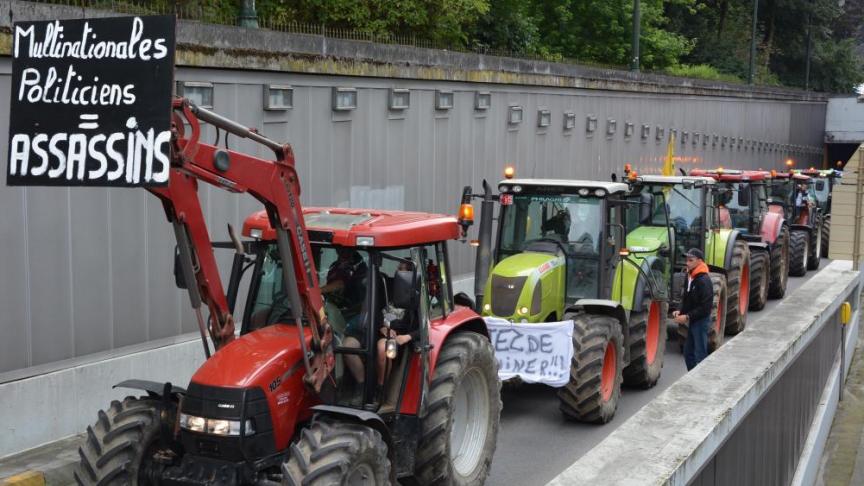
(696, 303)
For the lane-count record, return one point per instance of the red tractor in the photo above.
(377, 375)
(742, 201)
(793, 195)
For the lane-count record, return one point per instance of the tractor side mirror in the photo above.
(405, 287)
(178, 271)
(646, 206)
(743, 196)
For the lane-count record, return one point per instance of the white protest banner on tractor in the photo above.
(91, 102)
(536, 353)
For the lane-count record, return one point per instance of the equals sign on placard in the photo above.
(88, 122)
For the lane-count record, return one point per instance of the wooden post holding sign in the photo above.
(91, 102)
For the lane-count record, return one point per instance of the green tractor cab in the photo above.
(695, 223)
(567, 250)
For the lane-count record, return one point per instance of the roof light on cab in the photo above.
(256, 233)
(509, 172)
(365, 241)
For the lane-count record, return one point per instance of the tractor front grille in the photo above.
(505, 294)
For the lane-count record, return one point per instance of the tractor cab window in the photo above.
(778, 191)
(567, 225)
(570, 223)
(342, 274)
(686, 216)
(734, 203)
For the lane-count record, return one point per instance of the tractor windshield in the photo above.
(735, 205)
(563, 224)
(687, 217)
(780, 191)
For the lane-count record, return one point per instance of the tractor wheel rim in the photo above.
(610, 365)
(744, 291)
(652, 333)
(470, 426)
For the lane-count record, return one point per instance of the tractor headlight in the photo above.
(487, 307)
(523, 310)
(214, 426)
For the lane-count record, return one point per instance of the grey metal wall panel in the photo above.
(767, 444)
(90, 269)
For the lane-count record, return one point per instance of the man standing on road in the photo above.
(695, 309)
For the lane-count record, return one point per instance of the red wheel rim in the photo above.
(652, 333)
(607, 379)
(744, 290)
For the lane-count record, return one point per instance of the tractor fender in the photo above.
(604, 307)
(153, 388)
(462, 319)
(369, 419)
(772, 224)
(642, 289)
(757, 245)
(802, 227)
(730, 249)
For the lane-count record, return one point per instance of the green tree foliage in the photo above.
(698, 38)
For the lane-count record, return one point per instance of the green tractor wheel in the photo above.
(738, 289)
(647, 345)
(595, 372)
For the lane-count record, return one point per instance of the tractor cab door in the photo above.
(614, 238)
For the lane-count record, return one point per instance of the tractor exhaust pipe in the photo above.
(484, 249)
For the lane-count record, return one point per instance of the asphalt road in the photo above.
(535, 443)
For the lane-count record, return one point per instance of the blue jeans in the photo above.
(696, 345)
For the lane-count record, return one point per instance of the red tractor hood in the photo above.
(255, 359)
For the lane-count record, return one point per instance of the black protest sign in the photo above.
(91, 102)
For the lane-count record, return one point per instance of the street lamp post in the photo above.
(634, 51)
(248, 15)
(751, 77)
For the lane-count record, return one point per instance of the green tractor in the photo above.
(695, 222)
(569, 250)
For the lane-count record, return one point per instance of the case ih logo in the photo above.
(506, 199)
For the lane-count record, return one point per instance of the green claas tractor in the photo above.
(695, 221)
(570, 250)
(823, 185)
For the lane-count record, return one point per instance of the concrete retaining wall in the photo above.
(676, 437)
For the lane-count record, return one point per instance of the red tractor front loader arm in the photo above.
(276, 185)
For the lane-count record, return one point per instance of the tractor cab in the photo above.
(688, 201)
(557, 243)
(792, 192)
(823, 184)
(374, 274)
(741, 198)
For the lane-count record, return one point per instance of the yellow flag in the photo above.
(669, 163)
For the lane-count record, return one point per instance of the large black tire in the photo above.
(826, 235)
(595, 384)
(799, 252)
(759, 262)
(738, 289)
(718, 315)
(779, 265)
(335, 451)
(815, 249)
(119, 446)
(466, 369)
(647, 344)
